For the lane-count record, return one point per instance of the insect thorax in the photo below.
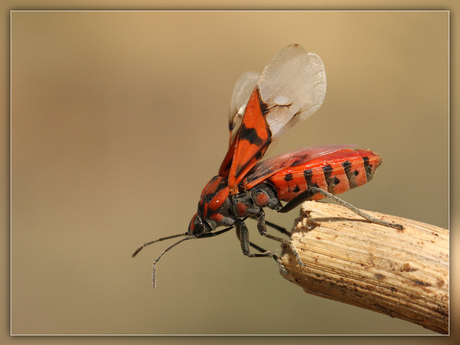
(250, 202)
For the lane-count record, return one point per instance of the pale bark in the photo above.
(403, 274)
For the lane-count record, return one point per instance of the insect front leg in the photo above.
(243, 235)
(261, 226)
(253, 245)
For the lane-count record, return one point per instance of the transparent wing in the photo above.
(243, 88)
(271, 166)
(293, 87)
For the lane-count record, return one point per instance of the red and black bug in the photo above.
(291, 88)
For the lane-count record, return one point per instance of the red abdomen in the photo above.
(336, 173)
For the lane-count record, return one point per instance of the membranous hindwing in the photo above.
(243, 88)
(293, 87)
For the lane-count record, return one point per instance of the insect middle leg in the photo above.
(274, 226)
(261, 226)
(279, 228)
(243, 235)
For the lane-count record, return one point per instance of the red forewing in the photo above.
(251, 143)
(291, 88)
(271, 166)
(335, 172)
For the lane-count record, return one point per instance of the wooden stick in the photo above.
(403, 274)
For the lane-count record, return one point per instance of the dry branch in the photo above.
(403, 274)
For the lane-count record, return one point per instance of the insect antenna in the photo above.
(188, 237)
(163, 253)
(158, 240)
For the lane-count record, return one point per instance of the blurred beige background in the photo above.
(120, 118)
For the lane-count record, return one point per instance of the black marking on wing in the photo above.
(250, 134)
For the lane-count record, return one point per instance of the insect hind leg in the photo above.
(366, 216)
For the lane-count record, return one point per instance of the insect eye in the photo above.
(198, 226)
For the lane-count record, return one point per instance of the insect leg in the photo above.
(279, 228)
(243, 235)
(356, 210)
(253, 245)
(296, 201)
(261, 226)
(216, 233)
(256, 247)
(273, 225)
